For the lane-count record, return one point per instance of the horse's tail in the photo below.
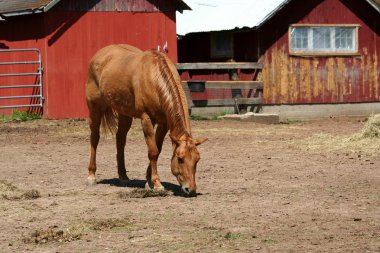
(109, 120)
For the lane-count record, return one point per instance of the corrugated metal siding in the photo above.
(292, 80)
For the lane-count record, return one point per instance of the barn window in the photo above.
(221, 45)
(323, 39)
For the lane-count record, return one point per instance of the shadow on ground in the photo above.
(176, 189)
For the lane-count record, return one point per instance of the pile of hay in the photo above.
(143, 193)
(372, 128)
(367, 141)
(76, 230)
(10, 192)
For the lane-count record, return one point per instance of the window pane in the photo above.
(299, 37)
(321, 38)
(344, 38)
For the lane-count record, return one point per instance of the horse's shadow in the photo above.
(135, 183)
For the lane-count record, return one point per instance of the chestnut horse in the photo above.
(125, 83)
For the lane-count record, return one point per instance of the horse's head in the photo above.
(184, 162)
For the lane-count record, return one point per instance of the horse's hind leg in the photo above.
(96, 114)
(124, 124)
(161, 131)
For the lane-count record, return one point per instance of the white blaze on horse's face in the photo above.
(184, 163)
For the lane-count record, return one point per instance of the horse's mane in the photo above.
(172, 97)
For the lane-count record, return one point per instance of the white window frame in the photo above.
(332, 51)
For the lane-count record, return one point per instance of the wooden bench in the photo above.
(253, 90)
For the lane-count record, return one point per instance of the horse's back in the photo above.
(132, 82)
(109, 53)
(101, 60)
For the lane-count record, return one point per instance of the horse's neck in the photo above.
(173, 98)
(178, 125)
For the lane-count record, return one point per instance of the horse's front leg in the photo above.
(153, 152)
(160, 136)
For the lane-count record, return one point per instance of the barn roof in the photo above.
(23, 7)
(224, 15)
(374, 3)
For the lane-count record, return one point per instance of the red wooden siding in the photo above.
(68, 40)
(70, 53)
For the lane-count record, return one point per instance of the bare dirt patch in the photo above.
(303, 187)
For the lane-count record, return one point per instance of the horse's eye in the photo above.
(180, 160)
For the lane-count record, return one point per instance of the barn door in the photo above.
(20, 79)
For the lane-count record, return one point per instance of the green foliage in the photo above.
(270, 241)
(293, 121)
(195, 117)
(232, 236)
(20, 116)
(214, 117)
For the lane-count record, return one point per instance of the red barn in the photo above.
(315, 52)
(68, 33)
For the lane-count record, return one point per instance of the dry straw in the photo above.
(367, 141)
(372, 127)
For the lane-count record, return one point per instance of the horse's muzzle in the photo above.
(189, 192)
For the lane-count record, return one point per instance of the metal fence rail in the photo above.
(38, 97)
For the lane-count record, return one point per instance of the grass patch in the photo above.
(270, 241)
(293, 121)
(195, 117)
(20, 116)
(216, 117)
(10, 192)
(142, 193)
(232, 236)
(213, 117)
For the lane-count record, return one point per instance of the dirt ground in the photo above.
(301, 187)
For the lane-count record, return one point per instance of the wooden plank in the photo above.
(246, 85)
(219, 65)
(231, 101)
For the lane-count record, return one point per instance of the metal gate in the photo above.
(35, 98)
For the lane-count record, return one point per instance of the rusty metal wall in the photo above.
(298, 80)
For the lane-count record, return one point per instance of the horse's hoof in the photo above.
(159, 188)
(151, 186)
(148, 185)
(91, 181)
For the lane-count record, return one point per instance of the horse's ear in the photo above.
(200, 141)
(174, 139)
